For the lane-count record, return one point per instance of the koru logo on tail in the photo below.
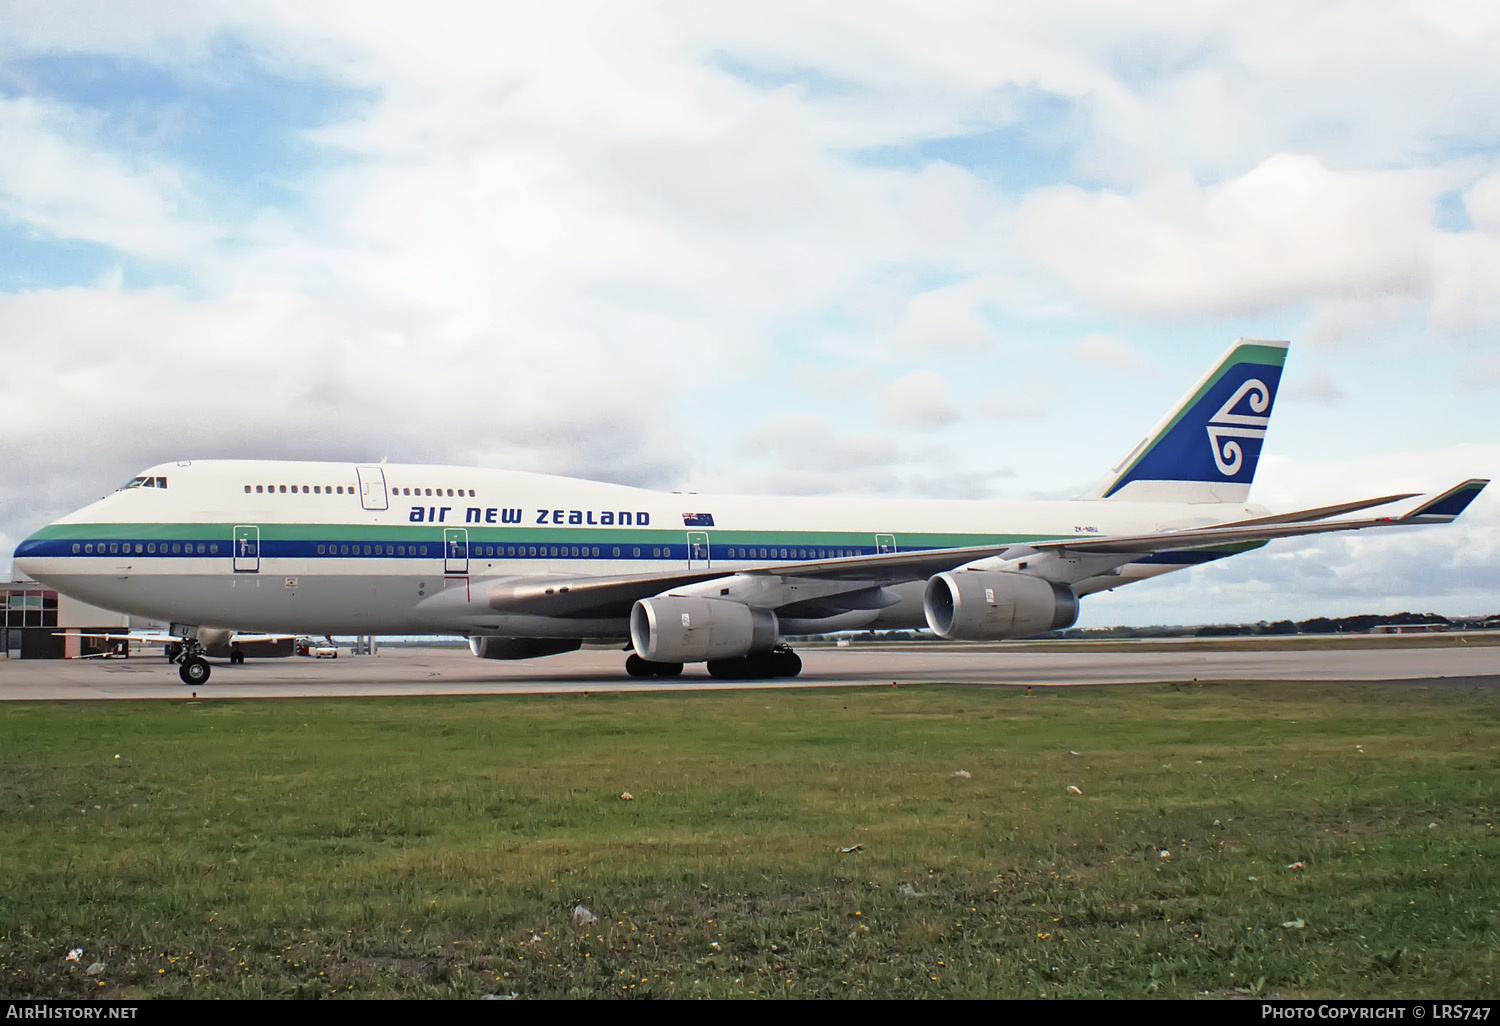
(1227, 425)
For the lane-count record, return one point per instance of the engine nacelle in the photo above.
(673, 629)
(491, 647)
(988, 605)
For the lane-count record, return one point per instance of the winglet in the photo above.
(1446, 507)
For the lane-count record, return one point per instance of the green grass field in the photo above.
(1274, 839)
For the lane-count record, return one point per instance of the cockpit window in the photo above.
(144, 482)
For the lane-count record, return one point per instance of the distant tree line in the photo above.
(1359, 624)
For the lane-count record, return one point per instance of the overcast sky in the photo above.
(966, 249)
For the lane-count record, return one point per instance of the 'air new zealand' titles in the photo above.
(220, 546)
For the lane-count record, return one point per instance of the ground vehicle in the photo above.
(317, 649)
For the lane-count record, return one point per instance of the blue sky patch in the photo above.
(1036, 148)
(238, 126)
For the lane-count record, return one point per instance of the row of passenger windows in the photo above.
(478, 551)
(148, 549)
(325, 489)
(579, 551)
(304, 489)
(731, 552)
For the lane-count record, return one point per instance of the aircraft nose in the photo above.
(28, 555)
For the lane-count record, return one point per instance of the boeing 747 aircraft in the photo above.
(529, 565)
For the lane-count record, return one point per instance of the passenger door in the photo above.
(697, 547)
(372, 494)
(456, 551)
(246, 549)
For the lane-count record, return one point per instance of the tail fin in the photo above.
(1207, 448)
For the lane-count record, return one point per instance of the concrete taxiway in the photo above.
(453, 671)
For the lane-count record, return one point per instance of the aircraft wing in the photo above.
(613, 596)
(1441, 509)
(1323, 512)
(139, 637)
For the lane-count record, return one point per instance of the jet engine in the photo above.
(672, 629)
(491, 647)
(993, 605)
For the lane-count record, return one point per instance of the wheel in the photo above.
(235, 658)
(193, 671)
(740, 668)
(174, 652)
(638, 667)
(785, 663)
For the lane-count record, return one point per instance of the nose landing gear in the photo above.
(192, 667)
(194, 670)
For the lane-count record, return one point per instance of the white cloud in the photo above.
(1011, 406)
(941, 321)
(1356, 322)
(1109, 352)
(1481, 372)
(1287, 231)
(101, 384)
(1466, 292)
(56, 181)
(919, 400)
(1482, 202)
(1319, 388)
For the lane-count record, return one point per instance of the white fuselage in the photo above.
(411, 549)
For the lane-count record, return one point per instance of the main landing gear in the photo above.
(779, 662)
(638, 667)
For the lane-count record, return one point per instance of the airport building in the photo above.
(38, 623)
